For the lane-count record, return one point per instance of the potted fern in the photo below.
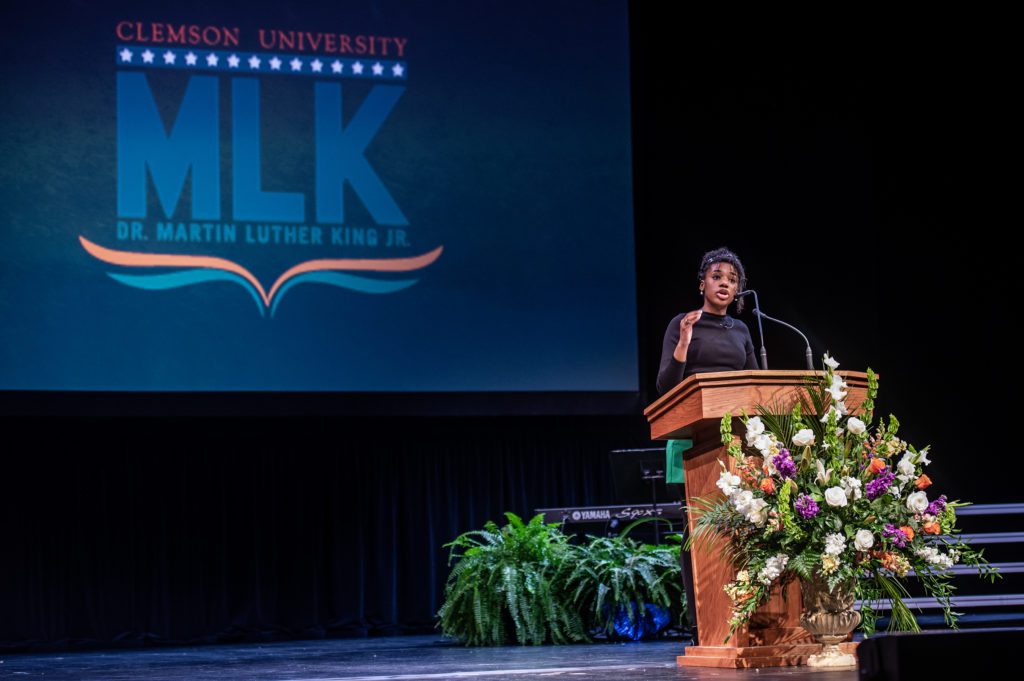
(624, 588)
(526, 582)
(503, 584)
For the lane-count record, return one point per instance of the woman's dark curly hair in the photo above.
(725, 255)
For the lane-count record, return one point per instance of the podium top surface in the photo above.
(711, 395)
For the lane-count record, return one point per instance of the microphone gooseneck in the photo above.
(808, 355)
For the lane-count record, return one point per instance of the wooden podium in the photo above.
(694, 410)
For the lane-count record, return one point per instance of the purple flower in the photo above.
(806, 506)
(784, 464)
(879, 485)
(898, 537)
(937, 506)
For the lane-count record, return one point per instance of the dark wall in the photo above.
(865, 180)
(862, 181)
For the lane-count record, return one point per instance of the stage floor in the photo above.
(409, 658)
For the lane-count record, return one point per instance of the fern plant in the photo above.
(502, 585)
(611, 575)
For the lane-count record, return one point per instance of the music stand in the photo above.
(639, 473)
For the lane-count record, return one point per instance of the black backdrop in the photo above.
(863, 180)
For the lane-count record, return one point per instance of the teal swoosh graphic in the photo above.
(349, 281)
(156, 282)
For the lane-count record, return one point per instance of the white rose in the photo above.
(831, 362)
(804, 437)
(856, 426)
(863, 540)
(917, 502)
(835, 496)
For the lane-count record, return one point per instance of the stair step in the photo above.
(990, 509)
(989, 537)
(1004, 568)
(925, 602)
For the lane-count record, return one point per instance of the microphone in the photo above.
(808, 355)
(760, 328)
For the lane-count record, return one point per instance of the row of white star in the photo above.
(254, 62)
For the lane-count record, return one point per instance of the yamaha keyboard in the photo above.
(607, 514)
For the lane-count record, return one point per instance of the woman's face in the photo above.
(721, 284)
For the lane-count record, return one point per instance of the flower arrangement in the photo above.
(819, 493)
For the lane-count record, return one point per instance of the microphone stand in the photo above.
(760, 327)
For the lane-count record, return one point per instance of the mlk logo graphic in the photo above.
(192, 149)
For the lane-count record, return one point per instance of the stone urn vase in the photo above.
(830, 617)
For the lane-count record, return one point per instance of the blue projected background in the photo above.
(380, 196)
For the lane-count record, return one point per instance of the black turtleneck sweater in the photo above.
(719, 343)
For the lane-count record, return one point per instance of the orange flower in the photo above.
(768, 486)
(932, 528)
(909, 531)
(923, 482)
(895, 562)
(876, 466)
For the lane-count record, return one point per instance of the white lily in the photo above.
(823, 474)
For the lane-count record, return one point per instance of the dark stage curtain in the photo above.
(863, 183)
(173, 530)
